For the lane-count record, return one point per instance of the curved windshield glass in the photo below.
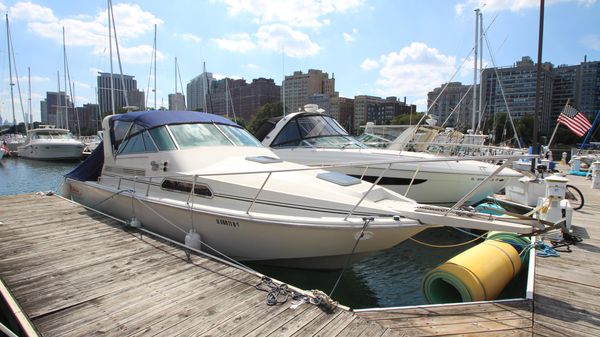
(315, 131)
(239, 136)
(192, 135)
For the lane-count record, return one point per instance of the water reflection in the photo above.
(21, 175)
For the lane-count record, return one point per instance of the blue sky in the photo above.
(382, 48)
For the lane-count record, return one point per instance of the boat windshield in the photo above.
(315, 131)
(52, 135)
(171, 137)
(192, 135)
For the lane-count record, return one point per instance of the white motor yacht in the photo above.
(185, 173)
(246, 202)
(50, 143)
(312, 138)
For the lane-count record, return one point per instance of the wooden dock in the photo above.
(566, 300)
(73, 272)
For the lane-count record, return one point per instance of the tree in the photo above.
(267, 111)
(405, 119)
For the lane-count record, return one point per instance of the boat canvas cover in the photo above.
(91, 168)
(152, 119)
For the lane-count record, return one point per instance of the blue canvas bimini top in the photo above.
(154, 118)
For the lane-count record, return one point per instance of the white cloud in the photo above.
(293, 43)
(236, 42)
(34, 79)
(591, 41)
(141, 54)
(95, 71)
(80, 85)
(191, 38)
(253, 66)
(296, 13)
(222, 76)
(513, 5)
(413, 71)
(369, 64)
(32, 12)
(131, 22)
(350, 37)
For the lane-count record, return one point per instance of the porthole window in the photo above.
(186, 187)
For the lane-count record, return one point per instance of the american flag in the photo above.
(574, 120)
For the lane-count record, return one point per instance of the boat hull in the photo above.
(304, 242)
(51, 151)
(438, 183)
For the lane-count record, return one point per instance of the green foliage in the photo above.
(267, 111)
(406, 119)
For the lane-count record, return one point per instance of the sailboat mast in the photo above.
(123, 88)
(175, 75)
(204, 85)
(29, 99)
(227, 97)
(154, 55)
(12, 98)
(65, 80)
(58, 117)
(480, 69)
(112, 80)
(473, 125)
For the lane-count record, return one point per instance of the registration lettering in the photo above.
(229, 223)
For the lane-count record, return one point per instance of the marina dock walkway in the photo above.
(73, 272)
(566, 300)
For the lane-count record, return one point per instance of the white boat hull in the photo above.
(440, 183)
(51, 150)
(304, 242)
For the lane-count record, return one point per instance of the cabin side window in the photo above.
(118, 133)
(162, 139)
(186, 187)
(139, 143)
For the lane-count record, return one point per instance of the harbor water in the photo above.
(385, 279)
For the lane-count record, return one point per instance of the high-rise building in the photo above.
(56, 112)
(44, 111)
(588, 88)
(240, 99)
(452, 102)
(361, 104)
(136, 99)
(299, 88)
(342, 110)
(197, 91)
(382, 113)
(515, 86)
(176, 102)
(119, 91)
(89, 119)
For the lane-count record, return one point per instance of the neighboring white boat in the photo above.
(312, 138)
(180, 171)
(50, 143)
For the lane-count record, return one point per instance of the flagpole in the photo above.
(589, 133)
(557, 124)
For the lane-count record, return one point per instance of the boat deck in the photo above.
(73, 272)
(566, 300)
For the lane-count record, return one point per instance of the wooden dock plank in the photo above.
(77, 273)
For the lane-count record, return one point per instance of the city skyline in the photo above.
(371, 48)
